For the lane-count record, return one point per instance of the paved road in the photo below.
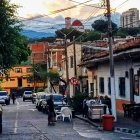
(23, 122)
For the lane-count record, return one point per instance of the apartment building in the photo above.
(18, 80)
(130, 18)
(47, 53)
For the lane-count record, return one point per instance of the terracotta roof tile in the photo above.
(118, 48)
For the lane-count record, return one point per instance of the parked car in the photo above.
(33, 98)
(27, 95)
(58, 102)
(4, 98)
(40, 96)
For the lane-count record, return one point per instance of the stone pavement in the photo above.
(123, 124)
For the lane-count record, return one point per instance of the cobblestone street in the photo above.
(23, 122)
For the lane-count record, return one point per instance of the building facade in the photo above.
(127, 72)
(130, 18)
(18, 80)
(47, 53)
(72, 67)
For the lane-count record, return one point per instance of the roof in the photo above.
(129, 45)
(77, 23)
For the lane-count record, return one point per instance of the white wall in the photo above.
(120, 68)
(70, 52)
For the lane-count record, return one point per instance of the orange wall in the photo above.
(13, 79)
(38, 47)
(119, 103)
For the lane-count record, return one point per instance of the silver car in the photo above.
(27, 95)
(4, 98)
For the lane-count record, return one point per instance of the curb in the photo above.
(116, 129)
(87, 120)
(127, 130)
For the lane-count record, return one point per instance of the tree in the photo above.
(47, 39)
(69, 32)
(13, 46)
(39, 74)
(102, 26)
(93, 35)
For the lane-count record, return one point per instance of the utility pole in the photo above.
(74, 53)
(67, 71)
(75, 68)
(49, 63)
(34, 71)
(112, 77)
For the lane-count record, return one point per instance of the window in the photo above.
(136, 85)
(92, 87)
(101, 84)
(122, 86)
(28, 70)
(18, 70)
(109, 86)
(29, 80)
(71, 61)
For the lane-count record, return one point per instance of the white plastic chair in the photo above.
(66, 113)
(58, 115)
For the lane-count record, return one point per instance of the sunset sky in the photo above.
(51, 20)
(30, 8)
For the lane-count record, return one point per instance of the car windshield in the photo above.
(3, 93)
(57, 98)
(28, 92)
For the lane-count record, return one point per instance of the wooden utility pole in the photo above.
(75, 68)
(67, 71)
(34, 71)
(112, 77)
(74, 54)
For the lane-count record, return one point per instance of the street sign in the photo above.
(74, 81)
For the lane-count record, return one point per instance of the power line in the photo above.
(89, 5)
(57, 11)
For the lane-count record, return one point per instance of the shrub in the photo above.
(40, 89)
(76, 102)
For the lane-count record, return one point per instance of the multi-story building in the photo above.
(47, 53)
(74, 71)
(18, 80)
(130, 18)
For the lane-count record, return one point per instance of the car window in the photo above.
(3, 93)
(47, 97)
(57, 98)
(42, 97)
(28, 92)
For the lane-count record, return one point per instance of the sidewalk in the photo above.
(123, 124)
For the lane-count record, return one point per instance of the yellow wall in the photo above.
(13, 79)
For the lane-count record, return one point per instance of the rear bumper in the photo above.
(2, 101)
(27, 98)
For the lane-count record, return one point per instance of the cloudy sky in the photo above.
(54, 11)
(31, 8)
